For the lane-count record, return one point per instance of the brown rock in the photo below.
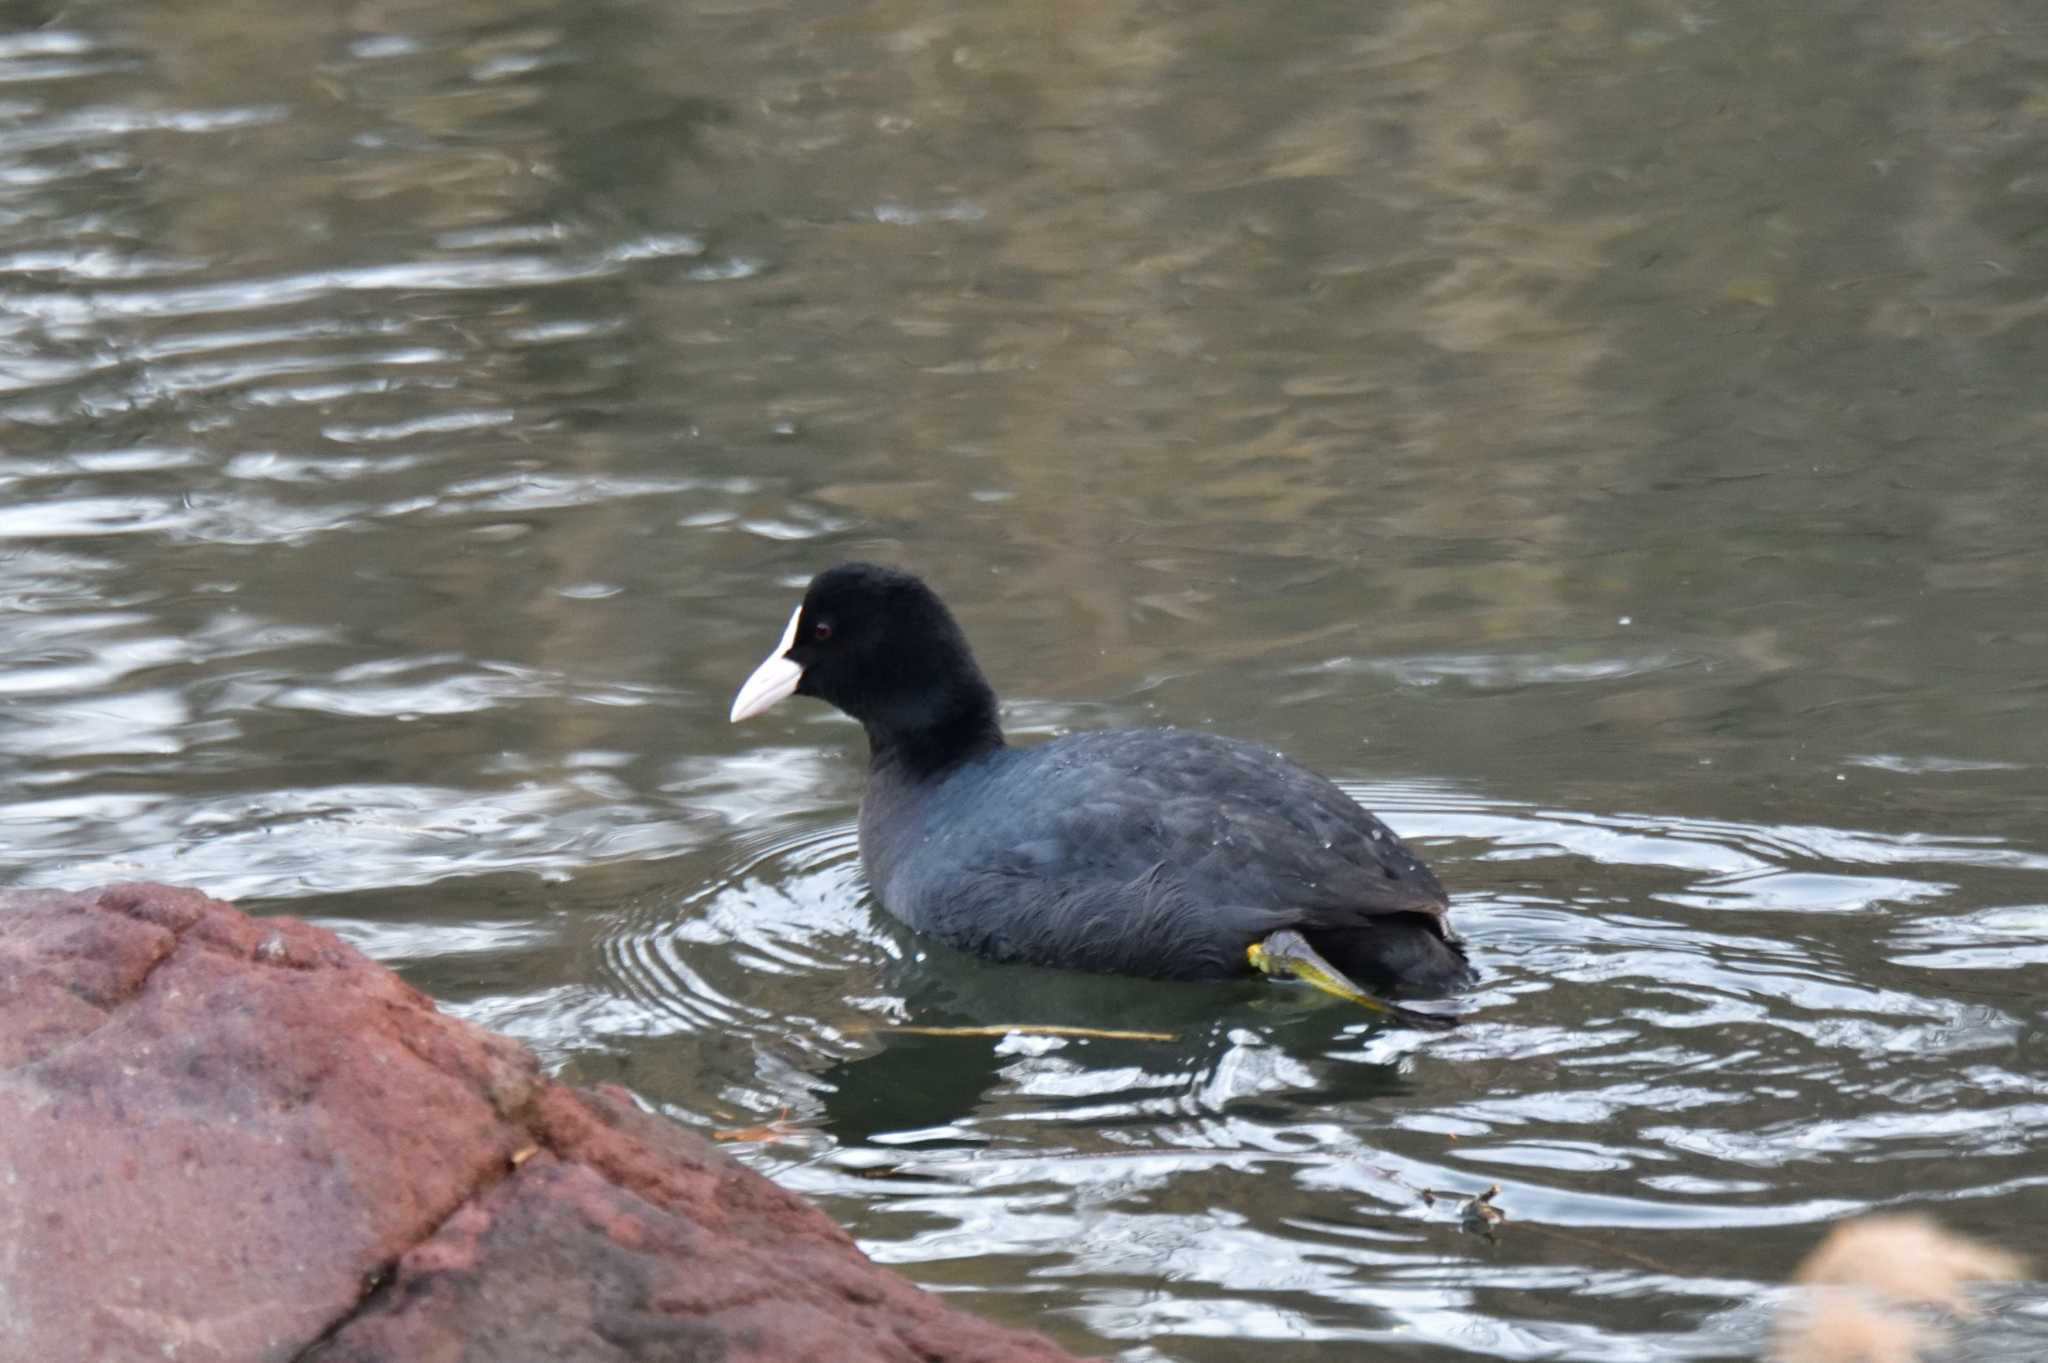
(218, 1135)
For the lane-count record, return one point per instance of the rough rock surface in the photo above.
(224, 1138)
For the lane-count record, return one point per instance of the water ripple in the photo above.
(1624, 1071)
(84, 309)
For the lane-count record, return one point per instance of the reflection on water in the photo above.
(1608, 438)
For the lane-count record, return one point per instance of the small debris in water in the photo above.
(1480, 1214)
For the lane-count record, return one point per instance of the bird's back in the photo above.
(1155, 851)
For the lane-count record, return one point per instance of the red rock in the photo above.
(224, 1138)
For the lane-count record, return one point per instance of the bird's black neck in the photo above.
(937, 728)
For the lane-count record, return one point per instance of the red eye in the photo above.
(821, 631)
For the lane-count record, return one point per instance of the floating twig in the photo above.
(1030, 1029)
(779, 1129)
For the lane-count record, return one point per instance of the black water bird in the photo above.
(1165, 853)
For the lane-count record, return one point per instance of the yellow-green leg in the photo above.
(1287, 954)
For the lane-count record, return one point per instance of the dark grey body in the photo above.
(1157, 852)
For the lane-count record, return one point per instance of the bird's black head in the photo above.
(879, 644)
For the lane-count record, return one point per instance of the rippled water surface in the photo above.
(1607, 438)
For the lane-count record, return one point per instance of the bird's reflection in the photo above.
(1207, 1051)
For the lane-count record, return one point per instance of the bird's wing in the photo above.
(1151, 923)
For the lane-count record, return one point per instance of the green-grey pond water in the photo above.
(1607, 437)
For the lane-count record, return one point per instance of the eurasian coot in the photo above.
(1159, 852)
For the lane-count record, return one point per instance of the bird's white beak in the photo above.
(773, 679)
